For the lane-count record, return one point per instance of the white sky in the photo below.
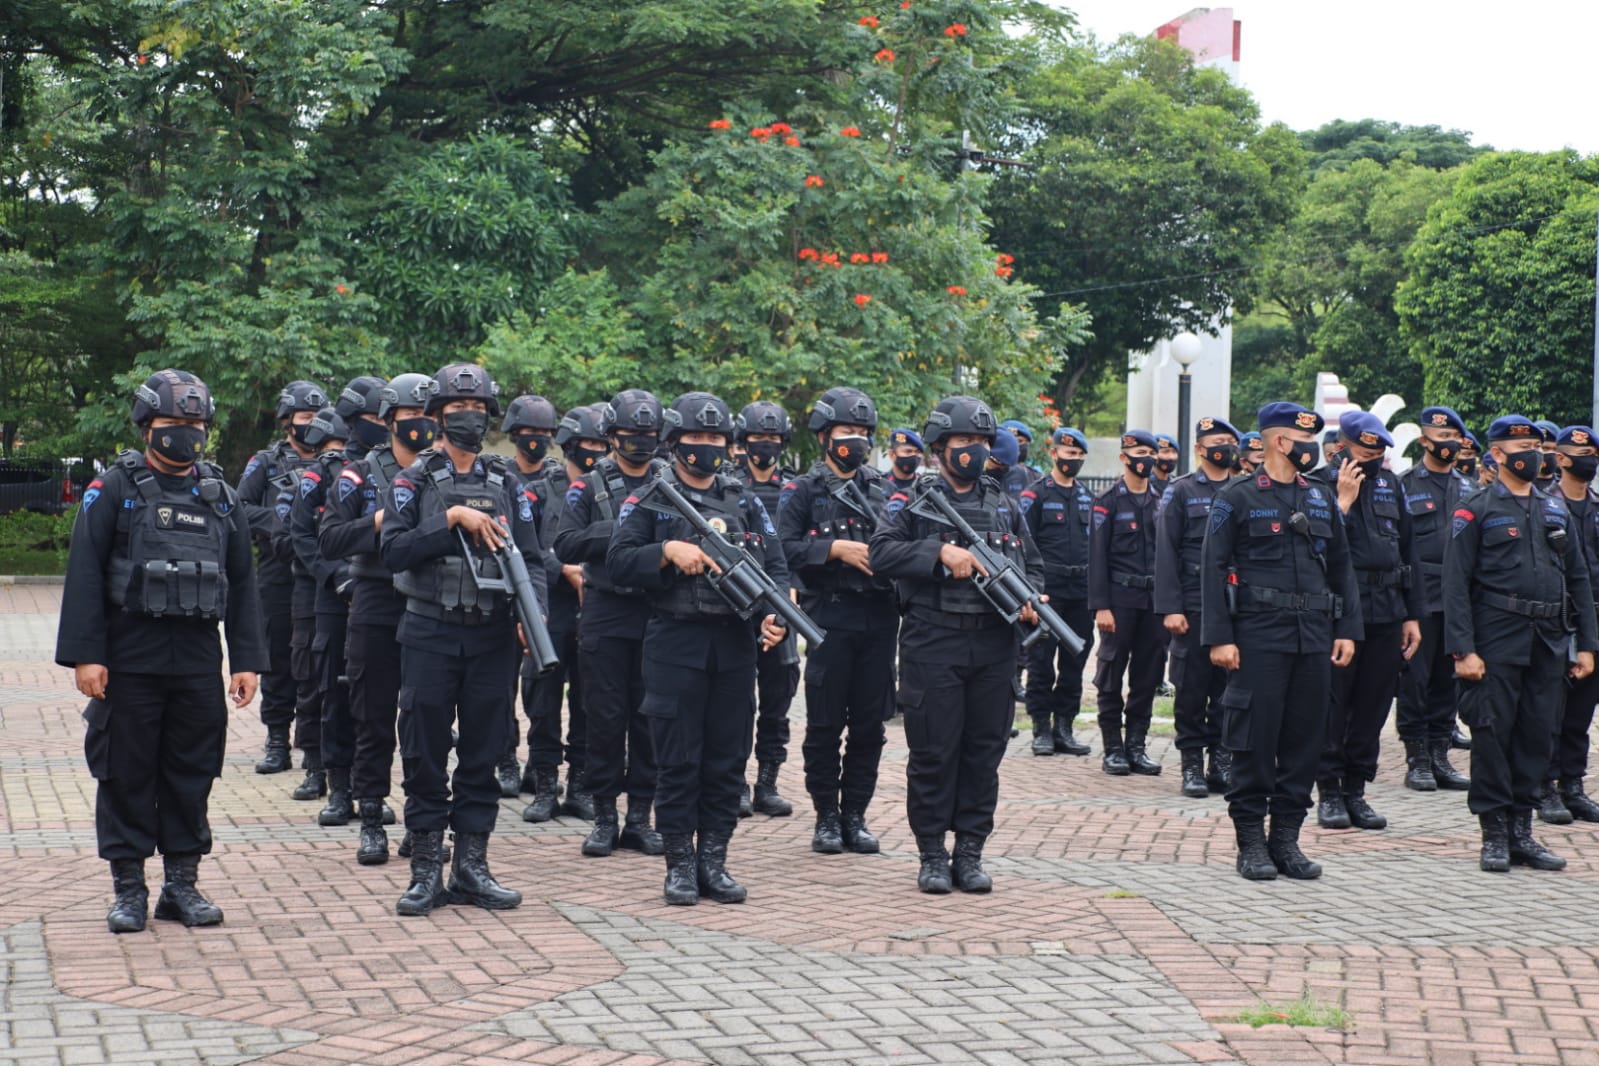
(1516, 74)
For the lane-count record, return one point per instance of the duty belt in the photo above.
(951, 620)
(1139, 581)
(1385, 579)
(1065, 571)
(456, 617)
(1255, 596)
(1526, 608)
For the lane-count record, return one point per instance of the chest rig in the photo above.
(987, 508)
(724, 507)
(381, 466)
(446, 588)
(170, 555)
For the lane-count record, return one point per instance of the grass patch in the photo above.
(1305, 1012)
(22, 562)
(1123, 893)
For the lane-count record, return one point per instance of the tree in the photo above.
(1339, 143)
(1499, 302)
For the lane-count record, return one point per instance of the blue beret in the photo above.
(1069, 434)
(1474, 440)
(1165, 440)
(1251, 440)
(1513, 427)
(1017, 427)
(1136, 438)
(1547, 428)
(906, 436)
(1441, 418)
(1365, 429)
(1581, 436)
(1208, 425)
(1490, 462)
(1005, 451)
(1285, 415)
(1329, 437)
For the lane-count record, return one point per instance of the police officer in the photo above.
(826, 519)
(356, 413)
(1426, 713)
(350, 531)
(956, 653)
(268, 473)
(1058, 510)
(1470, 456)
(1382, 552)
(1518, 615)
(1166, 456)
(1279, 608)
(699, 654)
(534, 425)
(160, 553)
(1549, 471)
(1019, 474)
(458, 642)
(1562, 797)
(905, 452)
(611, 630)
(1121, 582)
(1002, 462)
(1252, 452)
(1183, 517)
(764, 429)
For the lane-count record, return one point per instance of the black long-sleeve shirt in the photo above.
(1121, 551)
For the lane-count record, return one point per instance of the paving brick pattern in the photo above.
(1117, 932)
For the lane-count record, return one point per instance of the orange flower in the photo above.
(814, 181)
(956, 290)
(141, 59)
(861, 299)
(885, 56)
(859, 257)
(879, 257)
(1004, 272)
(850, 131)
(809, 253)
(792, 142)
(721, 124)
(341, 289)
(781, 127)
(1004, 260)
(760, 133)
(870, 22)
(831, 259)
(955, 29)
(905, 4)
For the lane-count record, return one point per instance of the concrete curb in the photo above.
(32, 579)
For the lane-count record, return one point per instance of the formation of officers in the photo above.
(393, 587)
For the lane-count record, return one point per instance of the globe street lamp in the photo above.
(1186, 349)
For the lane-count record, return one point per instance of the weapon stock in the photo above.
(517, 583)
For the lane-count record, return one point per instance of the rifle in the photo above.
(517, 583)
(742, 582)
(1006, 588)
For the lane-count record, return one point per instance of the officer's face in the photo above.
(1437, 434)
(774, 438)
(452, 406)
(700, 436)
(905, 451)
(964, 440)
(1512, 447)
(301, 418)
(1359, 453)
(1167, 451)
(400, 414)
(1068, 451)
(162, 421)
(848, 430)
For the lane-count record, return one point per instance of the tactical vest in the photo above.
(835, 519)
(610, 488)
(381, 466)
(692, 596)
(170, 556)
(330, 465)
(989, 510)
(445, 588)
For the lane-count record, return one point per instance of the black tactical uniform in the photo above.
(157, 559)
(957, 655)
(1568, 764)
(458, 644)
(1276, 582)
(849, 680)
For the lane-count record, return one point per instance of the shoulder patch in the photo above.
(1026, 500)
(347, 485)
(1462, 518)
(1220, 511)
(404, 492)
(92, 493)
(251, 466)
(896, 503)
(628, 506)
(574, 492)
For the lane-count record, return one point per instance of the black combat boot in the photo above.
(1254, 860)
(636, 833)
(1194, 786)
(934, 877)
(373, 849)
(967, 867)
(829, 836)
(852, 828)
(682, 878)
(1551, 807)
(1219, 774)
(341, 806)
(131, 906)
(1418, 763)
(1524, 848)
(1137, 759)
(404, 850)
(1495, 842)
(315, 785)
(1443, 773)
(1577, 801)
(745, 806)
(1283, 847)
(1361, 816)
(1114, 760)
(470, 880)
(714, 881)
(180, 901)
(1459, 740)
(545, 804)
(529, 782)
(427, 875)
(767, 799)
(1331, 813)
(1043, 738)
(276, 758)
(509, 774)
(1066, 742)
(579, 802)
(601, 840)
(388, 813)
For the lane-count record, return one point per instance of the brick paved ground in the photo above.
(1117, 933)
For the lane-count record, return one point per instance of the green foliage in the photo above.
(1499, 302)
(35, 543)
(1338, 144)
(1307, 1011)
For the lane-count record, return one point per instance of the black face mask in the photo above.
(966, 464)
(764, 453)
(1304, 454)
(1165, 466)
(906, 465)
(1021, 453)
(1523, 465)
(1371, 467)
(637, 449)
(1444, 451)
(369, 434)
(298, 432)
(417, 434)
(702, 459)
(533, 446)
(1069, 467)
(1583, 467)
(178, 445)
(848, 453)
(1467, 467)
(585, 458)
(1139, 465)
(1550, 467)
(1222, 455)
(466, 429)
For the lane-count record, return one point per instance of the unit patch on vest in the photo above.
(167, 517)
